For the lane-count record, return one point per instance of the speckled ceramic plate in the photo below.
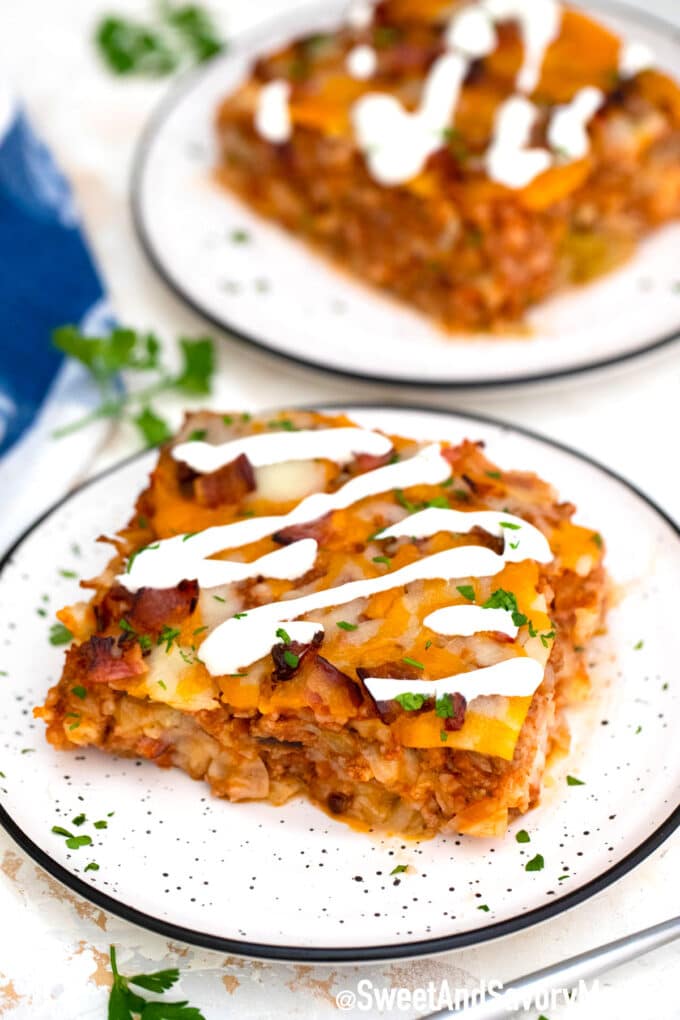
(291, 883)
(271, 291)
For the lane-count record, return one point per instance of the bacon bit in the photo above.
(154, 608)
(284, 670)
(326, 682)
(364, 462)
(99, 661)
(338, 803)
(117, 602)
(318, 529)
(388, 710)
(455, 722)
(228, 484)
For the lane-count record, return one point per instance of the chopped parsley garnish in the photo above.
(597, 539)
(547, 637)
(179, 35)
(508, 524)
(218, 598)
(59, 634)
(79, 819)
(162, 685)
(239, 237)
(228, 419)
(124, 625)
(383, 559)
(199, 630)
(101, 824)
(502, 599)
(237, 616)
(399, 869)
(573, 781)
(291, 659)
(443, 736)
(344, 625)
(196, 437)
(167, 636)
(493, 474)
(412, 662)
(283, 423)
(79, 691)
(536, 863)
(467, 591)
(410, 702)
(523, 836)
(638, 646)
(443, 707)
(142, 522)
(127, 350)
(92, 866)
(439, 502)
(283, 635)
(41, 612)
(59, 831)
(189, 534)
(483, 906)
(75, 842)
(428, 644)
(406, 503)
(638, 730)
(124, 1002)
(68, 573)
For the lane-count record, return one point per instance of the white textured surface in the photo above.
(51, 943)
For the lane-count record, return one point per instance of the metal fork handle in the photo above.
(566, 974)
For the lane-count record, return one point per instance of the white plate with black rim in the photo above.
(271, 291)
(291, 883)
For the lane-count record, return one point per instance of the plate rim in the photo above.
(188, 81)
(346, 954)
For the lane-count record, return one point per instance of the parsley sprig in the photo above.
(125, 1003)
(126, 350)
(181, 35)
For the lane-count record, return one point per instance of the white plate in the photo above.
(291, 883)
(275, 293)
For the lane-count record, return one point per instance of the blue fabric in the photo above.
(47, 276)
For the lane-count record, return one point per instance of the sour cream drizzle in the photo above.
(362, 62)
(339, 445)
(511, 678)
(567, 131)
(242, 640)
(172, 560)
(272, 115)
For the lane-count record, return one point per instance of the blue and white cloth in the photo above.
(47, 278)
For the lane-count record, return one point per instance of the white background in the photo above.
(52, 945)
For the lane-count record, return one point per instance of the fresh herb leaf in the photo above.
(291, 659)
(124, 1002)
(467, 591)
(443, 707)
(597, 539)
(239, 237)
(68, 573)
(638, 646)
(536, 863)
(509, 525)
(154, 429)
(523, 836)
(484, 907)
(59, 634)
(573, 781)
(412, 662)
(196, 30)
(502, 599)
(92, 866)
(127, 47)
(344, 625)
(285, 424)
(493, 474)
(197, 368)
(194, 437)
(79, 819)
(399, 869)
(443, 736)
(382, 559)
(75, 842)
(283, 635)
(59, 831)
(410, 702)
(101, 824)
(79, 691)
(167, 636)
